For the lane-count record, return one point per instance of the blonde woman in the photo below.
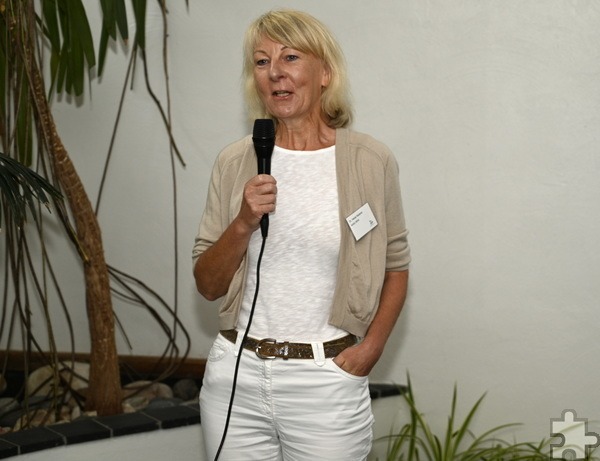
(329, 294)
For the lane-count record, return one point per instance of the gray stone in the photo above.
(42, 381)
(164, 403)
(10, 412)
(8, 404)
(186, 389)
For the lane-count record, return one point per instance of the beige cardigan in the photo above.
(367, 172)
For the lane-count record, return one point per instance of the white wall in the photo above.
(492, 109)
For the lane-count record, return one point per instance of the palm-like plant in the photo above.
(416, 440)
(33, 34)
(21, 190)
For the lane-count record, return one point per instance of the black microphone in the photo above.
(263, 138)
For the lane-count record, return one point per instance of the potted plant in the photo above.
(34, 35)
(416, 440)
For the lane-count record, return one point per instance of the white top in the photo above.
(299, 264)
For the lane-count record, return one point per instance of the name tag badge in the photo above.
(362, 221)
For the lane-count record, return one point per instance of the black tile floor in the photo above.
(96, 428)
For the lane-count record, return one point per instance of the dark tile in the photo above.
(7, 449)
(83, 430)
(193, 404)
(38, 438)
(386, 390)
(129, 423)
(177, 416)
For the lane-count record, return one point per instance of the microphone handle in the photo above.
(264, 167)
(264, 225)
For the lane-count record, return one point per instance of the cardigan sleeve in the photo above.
(210, 228)
(398, 251)
(234, 165)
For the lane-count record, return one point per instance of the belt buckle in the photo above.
(260, 344)
(273, 342)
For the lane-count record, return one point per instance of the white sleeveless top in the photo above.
(299, 264)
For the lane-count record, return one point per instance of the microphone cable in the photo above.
(239, 356)
(263, 138)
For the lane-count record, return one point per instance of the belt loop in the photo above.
(238, 342)
(318, 353)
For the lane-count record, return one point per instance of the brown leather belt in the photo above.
(269, 348)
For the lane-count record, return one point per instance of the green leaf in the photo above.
(114, 15)
(416, 440)
(81, 32)
(139, 9)
(108, 18)
(72, 45)
(102, 50)
(22, 188)
(24, 125)
(3, 64)
(62, 74)
(121, 19)
(76, 66)
(50, 21)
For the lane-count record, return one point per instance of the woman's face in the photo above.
(289, 82)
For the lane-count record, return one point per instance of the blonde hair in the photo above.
(305, 33)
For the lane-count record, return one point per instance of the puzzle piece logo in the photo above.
(577, 441)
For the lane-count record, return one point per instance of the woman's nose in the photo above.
(275, 72)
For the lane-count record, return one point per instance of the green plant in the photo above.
(21, 189)
(53, 39)
(417, 441)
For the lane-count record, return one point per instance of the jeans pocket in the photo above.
(219, 349)
(335, 367)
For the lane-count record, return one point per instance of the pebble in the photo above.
(186, 389)
(138, 395)
(10, 412)
(164, 403)
(41, 381)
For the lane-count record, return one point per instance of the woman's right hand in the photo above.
(259, 199)
(216, 266)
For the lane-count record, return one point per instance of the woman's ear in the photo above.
(326, 79)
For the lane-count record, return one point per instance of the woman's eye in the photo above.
(291, 57)
(261, 62)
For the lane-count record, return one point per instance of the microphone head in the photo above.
(264, 128)
(263, 139)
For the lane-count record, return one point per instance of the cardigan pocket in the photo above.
(358, 290)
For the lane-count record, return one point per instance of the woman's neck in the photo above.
(306, 136)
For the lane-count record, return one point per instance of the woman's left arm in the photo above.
(360, 359)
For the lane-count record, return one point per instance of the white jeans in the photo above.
(291, 410)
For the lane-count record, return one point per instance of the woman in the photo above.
(329, 295)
